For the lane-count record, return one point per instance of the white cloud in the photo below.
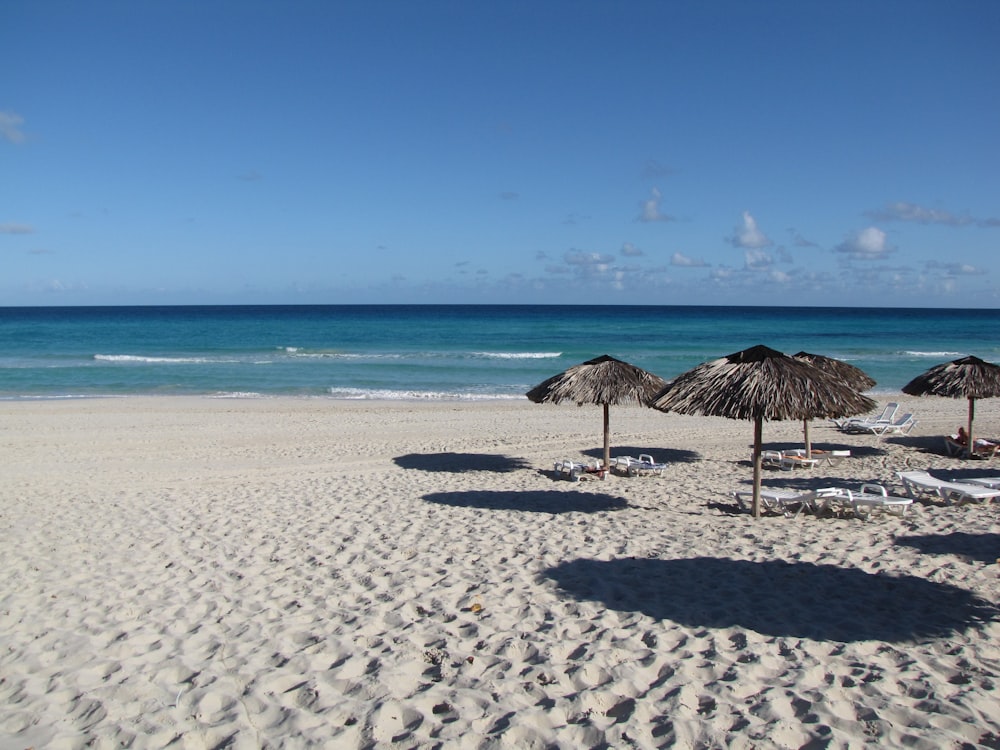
(651, 209)
(757, 260)
(723, 273)
(10, 127)
(748, 235)
(867, 244)
(589, 260)
(955, 269)
(679, 259)
(631, 251)
(779, 276)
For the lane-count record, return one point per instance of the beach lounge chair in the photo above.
(832, 457)
(900, 426)
(866, 500)
(770, 459)
(790, 503)
(634, 466)
(992, 482)
(574, 470)
(790, 459)
(796, 459)
(917, 483)
(952, 447)
(857, 424)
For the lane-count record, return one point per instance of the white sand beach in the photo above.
(201, 573)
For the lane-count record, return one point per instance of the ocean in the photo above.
(442, 352)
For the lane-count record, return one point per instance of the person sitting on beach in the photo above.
(982, 444)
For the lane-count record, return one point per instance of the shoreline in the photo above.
(372, 574)
(428, 397)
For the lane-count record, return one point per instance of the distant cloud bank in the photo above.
(903, 211)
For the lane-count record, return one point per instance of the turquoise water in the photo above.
(442, 352)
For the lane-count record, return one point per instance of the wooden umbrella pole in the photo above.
(607, 438)
(971, 447)
(758, 429)
(805, 432)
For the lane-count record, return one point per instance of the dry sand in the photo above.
(200, 573)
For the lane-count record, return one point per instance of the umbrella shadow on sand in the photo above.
(777, 598)
(660, 455)
(857, 451)
(923, 443)
(549, 501)
(458, 463)
(975, 547)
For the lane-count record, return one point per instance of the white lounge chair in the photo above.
(952, 447)
(771, 459)
(917, 483)
(850, 424)
(635, 466)
(832, 457)
(574, 470)
(790, 503)
(900, 426)
(992, 482)
(786, 460)
(868, 499)
(796, 458)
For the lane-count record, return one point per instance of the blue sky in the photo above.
(775, 153)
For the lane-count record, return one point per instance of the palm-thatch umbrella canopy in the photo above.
(605, 381)
(855, 378)
(760, 383)
(968, 377)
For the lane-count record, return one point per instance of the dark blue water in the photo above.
(442, 352)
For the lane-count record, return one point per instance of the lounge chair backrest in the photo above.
(888, 412)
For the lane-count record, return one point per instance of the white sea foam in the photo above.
(62, 397)
(518, 355)
(151, 360)
(939, 355)
(326, 354)
(387, 394)
(299, 354)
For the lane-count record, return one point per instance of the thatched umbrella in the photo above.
(855, 378)
(760, 383)
(968, 377)
(603, 381)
